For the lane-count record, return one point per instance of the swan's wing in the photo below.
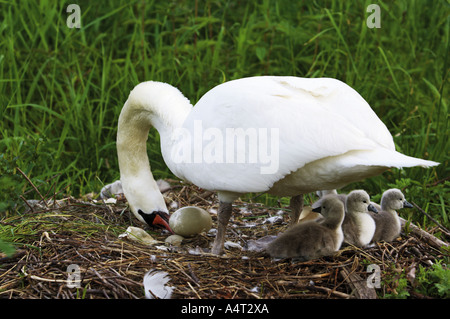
(278, 125)
(301, 98)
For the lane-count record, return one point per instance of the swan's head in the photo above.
(156, 219)
(394, 199)
(145, 199)
(358, 201)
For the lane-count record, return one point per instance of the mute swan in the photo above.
(358, 225)
(311, 239)
(387, 221)
(283, 135)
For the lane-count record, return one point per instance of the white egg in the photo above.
(189, 221)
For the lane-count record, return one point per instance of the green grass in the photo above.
(61, 89)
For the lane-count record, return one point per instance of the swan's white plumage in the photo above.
(327, 134)
(324, 127)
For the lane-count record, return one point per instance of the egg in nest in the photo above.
(189, 221)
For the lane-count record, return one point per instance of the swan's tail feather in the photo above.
(388, 158)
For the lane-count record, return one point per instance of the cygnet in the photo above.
(308, 212)
(310, 240)
(387, 221)
(358, 225)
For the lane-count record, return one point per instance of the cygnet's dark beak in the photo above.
(407, 204)
(317, 209)
(372, 208)
(157, 219)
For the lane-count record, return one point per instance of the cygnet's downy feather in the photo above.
(311, 240)
(387, 221)
(358, 225)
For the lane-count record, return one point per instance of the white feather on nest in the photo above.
(155, 285)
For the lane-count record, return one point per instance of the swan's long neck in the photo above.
(149, 104)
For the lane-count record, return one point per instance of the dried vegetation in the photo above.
(52, 236)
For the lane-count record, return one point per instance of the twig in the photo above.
(43, 279)
(433, 241)
(31, 183)
(202, 197)
(193, 276)
(184, 273)
(192, 288)
(26, 202)
(445, 230)
(53, 185)
(329, 291)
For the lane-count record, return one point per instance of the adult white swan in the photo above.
(283, 135)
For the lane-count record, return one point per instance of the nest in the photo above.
(61, 234)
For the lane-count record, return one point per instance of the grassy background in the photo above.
(61, 89)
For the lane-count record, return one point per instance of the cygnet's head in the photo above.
(329, 206)
(394, 199)
(358, 201)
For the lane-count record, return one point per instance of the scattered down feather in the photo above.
(155, 285)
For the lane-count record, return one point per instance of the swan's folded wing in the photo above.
(246, 135)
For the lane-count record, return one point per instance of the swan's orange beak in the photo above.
(161, 220)
(157, 219)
